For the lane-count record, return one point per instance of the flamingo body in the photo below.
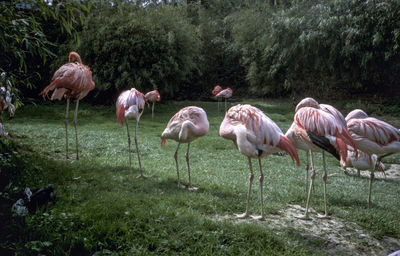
(185, 126)
(153, 96)
(371, 135)
(255, 136)
(226, 93)
(129, 105)
(71, 80)
(363, 162)
(254, 133)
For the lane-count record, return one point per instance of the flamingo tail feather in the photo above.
(286, 144)
(121, 114)
(163, 142)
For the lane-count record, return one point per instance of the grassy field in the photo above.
(103, 209)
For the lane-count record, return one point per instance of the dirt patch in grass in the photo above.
(337, 237)
(392, 172)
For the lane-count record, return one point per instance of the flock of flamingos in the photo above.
(356, 141)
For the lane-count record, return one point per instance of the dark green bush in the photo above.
(322, 48)
(143, 48)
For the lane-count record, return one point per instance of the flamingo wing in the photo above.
(261, 131)
(336, 113)
(319, 124)
(74, 77)
(227, 93)
(374, 130)
(127, 99)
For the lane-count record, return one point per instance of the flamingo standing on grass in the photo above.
(319, 128)
(301, 140)
(153, 97)
(215, 91)
(185, 126)
(130, 104)
(256, 136)
(373, 136)
(72, 81)
(226, 93)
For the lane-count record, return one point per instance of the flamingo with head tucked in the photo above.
(256, 136)
(130, 104)
(185, 126)
(300, 139)
(319, 128)
(72, 81)
(215, 91)
(226, 93)
(153, 97)
(373, 136)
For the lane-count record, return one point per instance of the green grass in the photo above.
(103, 208)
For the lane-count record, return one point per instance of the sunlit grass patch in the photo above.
(102, 207)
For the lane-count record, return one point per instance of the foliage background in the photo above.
(331, 49)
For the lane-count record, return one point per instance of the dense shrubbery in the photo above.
(279, 48)
(319, 46)
(143, 48)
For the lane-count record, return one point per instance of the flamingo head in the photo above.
(356, 114)
(74, 57)
(307, 102)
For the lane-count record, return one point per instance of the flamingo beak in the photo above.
(381, 168)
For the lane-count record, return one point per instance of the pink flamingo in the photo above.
(301, 140)
(226, 93)
(215, 91)
(373, 136)
(256, 136)
(363, 162)
(316, 129)
(130, 104)
(152, 96)
(71, 80)
(185, 126)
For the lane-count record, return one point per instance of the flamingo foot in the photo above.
(242, 216)
(325, 216)
(181, 186)
(258, 217)
(303, 217)
(141, 176)
(72, 158)
(191, 188)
